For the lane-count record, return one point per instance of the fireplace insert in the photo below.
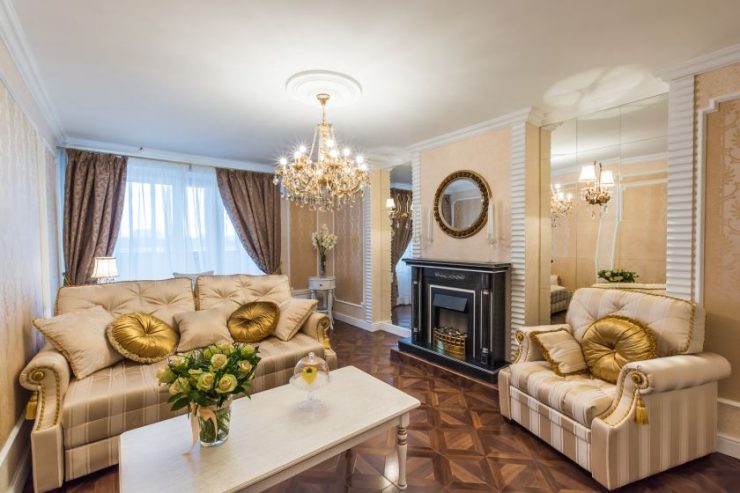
(460, 311)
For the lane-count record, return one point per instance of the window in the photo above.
(174, 221)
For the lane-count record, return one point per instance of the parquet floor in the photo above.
(458, 442)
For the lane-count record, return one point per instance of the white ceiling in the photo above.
(208, 77)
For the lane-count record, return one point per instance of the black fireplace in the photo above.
(460, 311)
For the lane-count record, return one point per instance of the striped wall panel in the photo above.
(681, 220)
(416, 205)
(517, 229)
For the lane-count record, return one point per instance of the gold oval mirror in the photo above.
(461, 204)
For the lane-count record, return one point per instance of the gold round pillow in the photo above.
(253, 321)
(142, 337)
(611, 342)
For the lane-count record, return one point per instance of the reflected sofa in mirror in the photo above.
(629, 231)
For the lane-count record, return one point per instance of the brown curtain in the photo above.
(253, 204)
(94, 191)
(402, 230)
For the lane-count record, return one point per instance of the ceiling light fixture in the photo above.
(560, 204)
(599, 184)
(322, 177)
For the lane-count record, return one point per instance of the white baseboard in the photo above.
(728, 445)
(15, 457)
(385, 326)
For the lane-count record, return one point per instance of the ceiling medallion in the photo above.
(324, 176)
(304, 86)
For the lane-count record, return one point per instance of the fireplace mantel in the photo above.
(459, 314)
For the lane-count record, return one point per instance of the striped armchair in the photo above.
(594, 422)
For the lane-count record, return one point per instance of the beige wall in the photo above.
(488, 154)
(28, 254)
(348, 254)
(722, 231)
(640, 243)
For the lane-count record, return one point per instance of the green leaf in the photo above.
(184, 402)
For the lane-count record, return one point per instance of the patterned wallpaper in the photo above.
(348, 226)
(21, 291)
(302, 254)
(722, 240)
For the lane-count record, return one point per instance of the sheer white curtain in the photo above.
(174, 221)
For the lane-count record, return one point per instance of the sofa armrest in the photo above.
(528, 351)
(317, 327)
(655, 376)
(47, 373)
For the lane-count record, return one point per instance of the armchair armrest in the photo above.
(317, 327)
(527, 350)
(47, 373)
(654, 376)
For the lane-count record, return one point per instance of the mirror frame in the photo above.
(485, 192)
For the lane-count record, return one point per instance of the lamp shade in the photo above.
(105, 267)
(390, 203)
(607, 178)
(588, 173)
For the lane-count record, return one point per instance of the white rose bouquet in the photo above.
(323, 241)
(205, 380)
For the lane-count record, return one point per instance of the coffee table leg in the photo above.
(401, 447)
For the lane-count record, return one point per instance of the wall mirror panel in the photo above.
(398, 205)
(608, 206)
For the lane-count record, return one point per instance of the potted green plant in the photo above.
(618, 275)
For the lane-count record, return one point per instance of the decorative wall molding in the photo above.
(518, 244)
(681, 215)
(531, 114)
(15, 39)
(728, 445)
(416, 205)
(167, 156)
(367, 256)
(703, 63)
(700, 153)
(15, 457)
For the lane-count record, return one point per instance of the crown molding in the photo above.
(530, 114)
(703, 63)
(167, 156)
(15, 39)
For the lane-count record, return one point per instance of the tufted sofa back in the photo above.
(163, 299)
(233, 291)
(678, 325)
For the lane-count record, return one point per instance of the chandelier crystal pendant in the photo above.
(322, 177)
(599, 185)
(560, 204)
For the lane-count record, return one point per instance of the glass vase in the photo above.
(322, 265)
(210, 435)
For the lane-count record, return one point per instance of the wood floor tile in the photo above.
(458, 442)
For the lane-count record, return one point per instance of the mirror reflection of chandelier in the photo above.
(324, 177)
(560, 204)
(598, 186)
(398, 212)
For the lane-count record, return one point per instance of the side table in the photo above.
(326, 285)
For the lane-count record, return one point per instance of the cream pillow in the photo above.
(80, 337)
(293, 313)
(202, 328)
(561, 350)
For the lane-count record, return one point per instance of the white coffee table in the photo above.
(271, 439)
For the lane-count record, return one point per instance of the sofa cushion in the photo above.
(678, 325)
(231, 292)
(253, 321)
(577, 396)
(163, 299)
(202, 328)
(127, 396)
(142, 337)
(293, 314)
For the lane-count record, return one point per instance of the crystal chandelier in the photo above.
(560, 204)
(322, 177)
(599, 184)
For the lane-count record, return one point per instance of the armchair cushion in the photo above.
(577, 396)
(612, 342)
(561, 350)
(528, 350)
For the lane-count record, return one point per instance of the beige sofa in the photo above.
(592, 421)
(78, 421)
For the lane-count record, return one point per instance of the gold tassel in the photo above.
(31, 406)
(641, 413)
